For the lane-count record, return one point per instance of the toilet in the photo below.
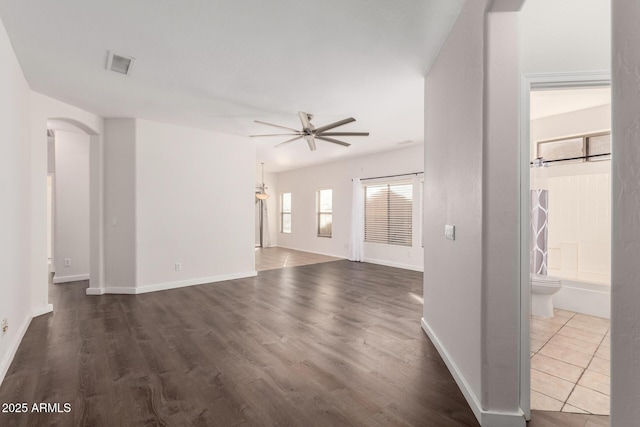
(542, 290)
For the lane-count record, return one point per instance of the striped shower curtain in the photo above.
(539, 210)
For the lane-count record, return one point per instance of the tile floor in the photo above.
(275, 257)
(570, 363)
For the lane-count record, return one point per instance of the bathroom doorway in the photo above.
(566, 264)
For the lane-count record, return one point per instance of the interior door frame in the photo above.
(531, 82)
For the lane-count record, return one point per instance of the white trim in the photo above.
(310, 252)
(39, 311)
(531, 82)
(464, 386)
(67, 279)
(394, 264)
(485, 418)
(13, 347)
(169, 285)
(503, 419)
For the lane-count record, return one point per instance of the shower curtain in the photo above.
(539, 210)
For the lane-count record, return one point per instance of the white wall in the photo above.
(71, 218)
(15, 182)
(120, 203)
(303, 184)
(579, 238)
(471, 295)
(194, 206)
(42, 110)
(565, 36)
(625, 333)
(453, 195)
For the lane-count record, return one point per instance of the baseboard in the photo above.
(484, 417)
(13, 347)
(169, 285)
(393, 264)
(502, 419)
(39, 311)
(67, 279)
(472, 400)
(312, 252)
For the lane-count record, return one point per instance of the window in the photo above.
(422, 212)
(594, 147)
(324, 203)
(388, 213)
(285, 213)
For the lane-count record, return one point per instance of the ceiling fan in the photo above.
(311, 133)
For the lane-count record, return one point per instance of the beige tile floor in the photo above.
(275, 257)
(570, 363)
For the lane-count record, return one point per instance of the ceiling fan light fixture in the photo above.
(310, 133)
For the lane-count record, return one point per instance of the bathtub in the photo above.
(584, 297)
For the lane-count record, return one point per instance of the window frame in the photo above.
(320, 213)
(283, 213)
(407, 228)
(586, 148)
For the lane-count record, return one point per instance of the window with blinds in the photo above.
(285, 213)
(388, 213)
(324, 205)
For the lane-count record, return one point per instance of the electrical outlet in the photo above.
(178, 266)
(67, 262)
(5, 325)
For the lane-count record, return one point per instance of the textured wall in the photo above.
(625, 272)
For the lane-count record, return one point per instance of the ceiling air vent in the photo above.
(120, 64)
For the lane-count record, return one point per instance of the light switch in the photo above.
(450, 232)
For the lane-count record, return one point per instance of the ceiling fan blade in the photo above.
(288, 141)
(304, 119)
(335, 125)
(311, 141)
(335, 141)
(275, 134)
(277, 126)
(343, 133)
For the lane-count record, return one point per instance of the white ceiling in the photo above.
(219, 65)
(545, 103)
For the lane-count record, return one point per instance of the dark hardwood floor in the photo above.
(329, 344)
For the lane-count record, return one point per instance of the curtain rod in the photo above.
(390, 176)
(573, 158)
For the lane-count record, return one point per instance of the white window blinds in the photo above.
(388, 213)
(285, 212)
(324, 205)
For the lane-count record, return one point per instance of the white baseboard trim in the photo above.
(39, 311)
(484, 417)
(393, 264)
(67, 279)
(13, 347)
(169, 285)
(311, 252)
(472, 400)
(502, 419)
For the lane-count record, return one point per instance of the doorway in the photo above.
(565, 120)
(70, 218)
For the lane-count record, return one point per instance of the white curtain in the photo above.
(356, 243)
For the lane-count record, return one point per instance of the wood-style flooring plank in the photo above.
(328, 344)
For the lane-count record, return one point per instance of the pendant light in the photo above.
(262, 195)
